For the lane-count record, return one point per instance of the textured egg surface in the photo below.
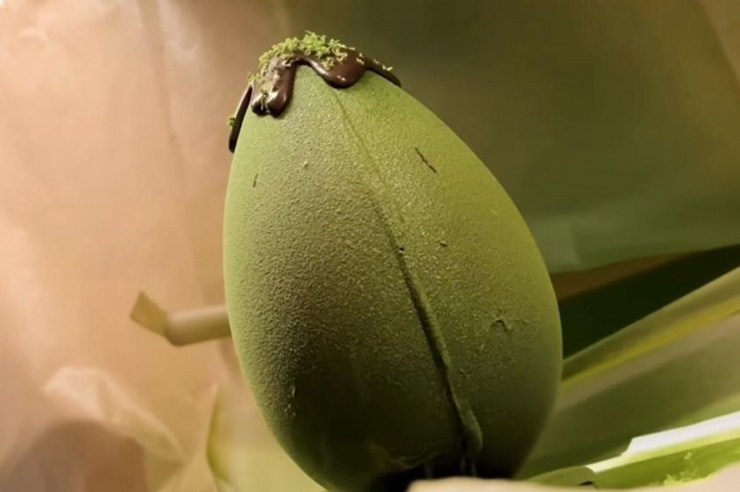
(388, 304)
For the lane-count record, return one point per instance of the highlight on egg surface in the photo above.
(389, 306)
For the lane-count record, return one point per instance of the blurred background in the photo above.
(614, 126)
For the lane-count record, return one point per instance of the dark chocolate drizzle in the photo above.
(272, 96)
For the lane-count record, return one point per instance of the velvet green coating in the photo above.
(389, 307)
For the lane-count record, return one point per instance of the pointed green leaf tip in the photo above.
(326, 50)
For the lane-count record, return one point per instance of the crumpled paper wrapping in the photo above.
(113, 163)
(612, 124)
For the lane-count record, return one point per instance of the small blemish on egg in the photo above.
(502, 324)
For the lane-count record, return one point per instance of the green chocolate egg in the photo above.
(390, 309)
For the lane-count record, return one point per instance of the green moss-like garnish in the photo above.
(327, 51)
(680, 478)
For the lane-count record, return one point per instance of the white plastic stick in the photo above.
(181, 327)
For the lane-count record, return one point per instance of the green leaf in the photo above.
(676, 456)
(678, 366)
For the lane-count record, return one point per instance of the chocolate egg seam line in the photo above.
(273, 100)
(470, 432)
